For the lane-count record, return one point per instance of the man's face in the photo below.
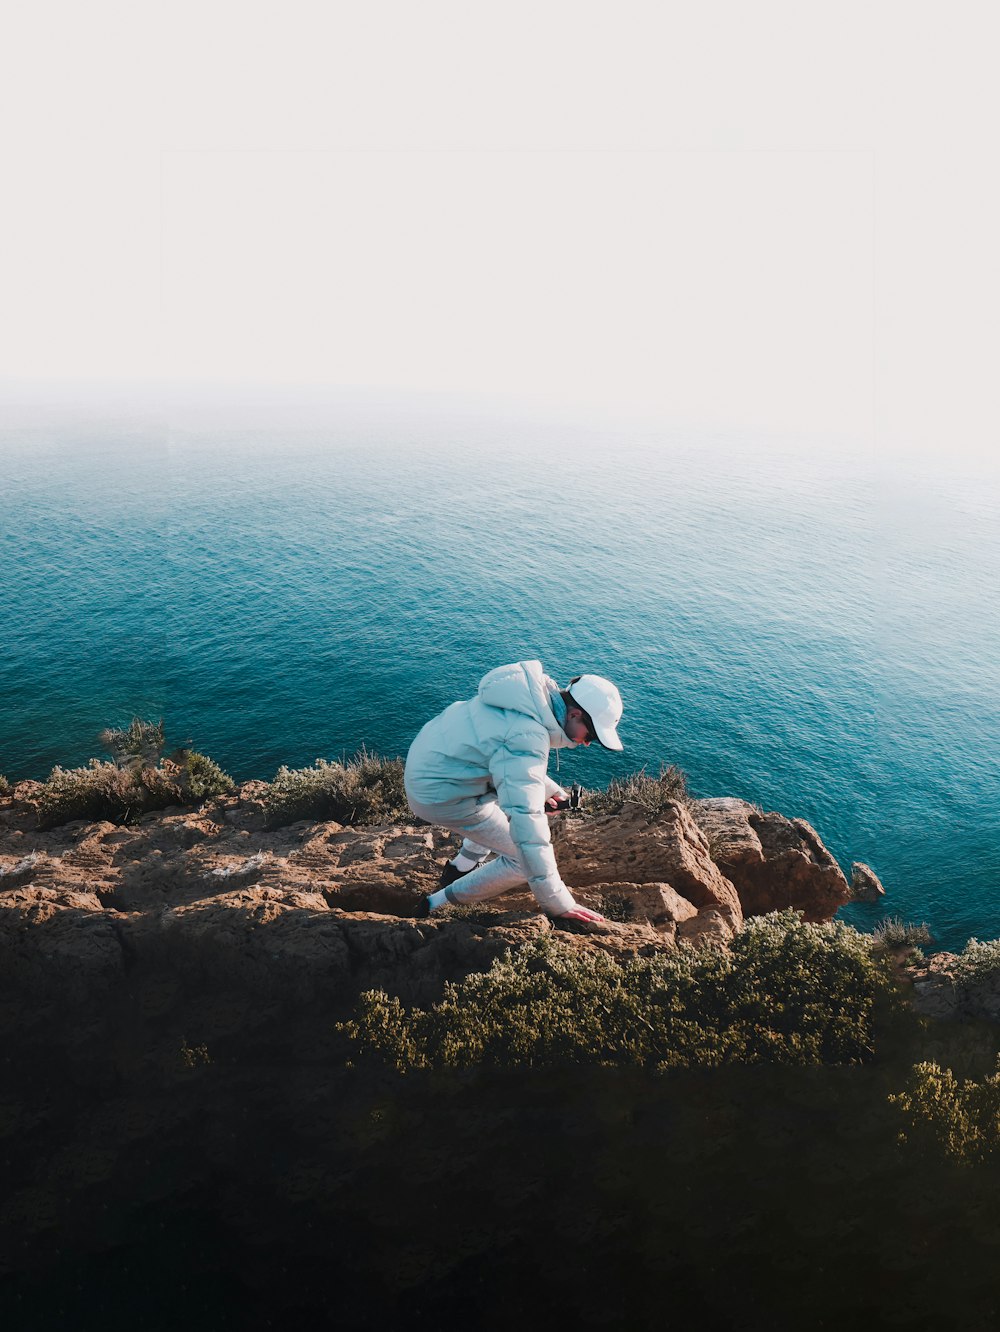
(577, 726)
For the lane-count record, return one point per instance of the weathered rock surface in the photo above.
(942, 990)
(317, 905)
(671, 848)
(866, 886)
(935, 993)
(64, 932)
(774, 862)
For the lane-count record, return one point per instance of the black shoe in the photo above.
(423, 909)
(450, 873)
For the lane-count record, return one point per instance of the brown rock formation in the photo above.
(935, 993)
(671, 848)
(57, 937)
(866, 886)
(320, 906)
(774, 862)
(942, 988)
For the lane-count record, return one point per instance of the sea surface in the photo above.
(817, 631)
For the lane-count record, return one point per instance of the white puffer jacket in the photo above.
(499, 740)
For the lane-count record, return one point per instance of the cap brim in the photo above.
(609, 739)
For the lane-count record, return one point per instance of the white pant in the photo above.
(485, 828)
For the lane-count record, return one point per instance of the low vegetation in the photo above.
(786, 993)
(367, 789)
(894, 933)
(959, 1118)
(103, 791)
(364, 790)
(5, 786)
(201, 778)
(136, 781)
(139, 746)
(639, 788)
(979, 964)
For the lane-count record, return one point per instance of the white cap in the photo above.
(602, 703)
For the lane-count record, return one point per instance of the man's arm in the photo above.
(518, 772)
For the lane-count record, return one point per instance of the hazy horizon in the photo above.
(776, 221)
(281, 413)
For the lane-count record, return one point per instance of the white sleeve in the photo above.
(518, 771)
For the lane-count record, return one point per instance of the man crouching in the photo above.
(479, 768)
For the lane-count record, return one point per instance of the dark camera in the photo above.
(572, 801)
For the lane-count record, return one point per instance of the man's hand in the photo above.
(560, 800)
(581, 913)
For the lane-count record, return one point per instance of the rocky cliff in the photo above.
(190, 1140)
(326, 907)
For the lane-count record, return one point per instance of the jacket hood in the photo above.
(524, 687)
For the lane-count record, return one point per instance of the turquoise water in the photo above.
(821, 637)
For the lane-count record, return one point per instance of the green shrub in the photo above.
(652, 793)
(960, 1119)
(200, 777)
(193, 1056)
(104, 791)
(893, 933)
(815, 984)
(5, 786)
(617, 906)
(140, 746)
(364, 790)
(136, 782)
(978, 962)
(787, 993)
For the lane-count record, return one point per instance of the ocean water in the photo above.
(817, 634)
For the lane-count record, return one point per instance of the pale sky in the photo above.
(771, 216)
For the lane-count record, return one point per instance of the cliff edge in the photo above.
(330, 907)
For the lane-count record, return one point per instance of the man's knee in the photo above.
(513, 867)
